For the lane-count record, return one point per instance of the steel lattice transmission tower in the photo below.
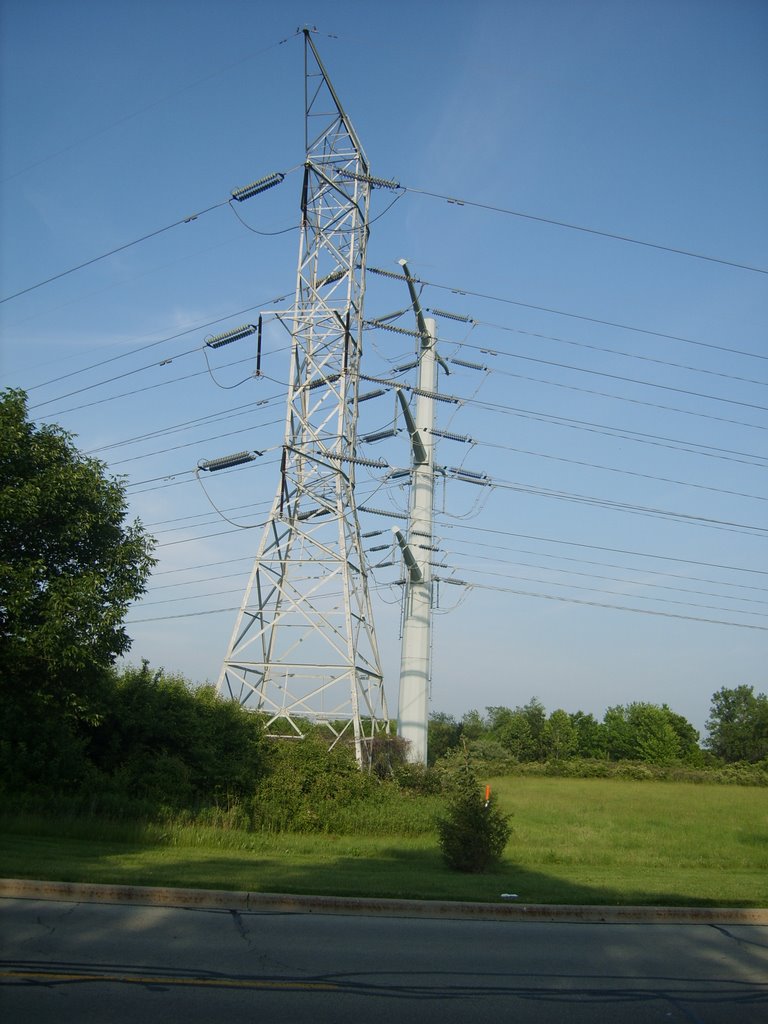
(303, 650)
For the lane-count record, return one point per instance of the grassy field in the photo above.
(574, 841)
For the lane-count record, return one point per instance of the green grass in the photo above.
(591, 841)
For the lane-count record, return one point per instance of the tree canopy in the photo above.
(738, 724)
(70, 565)
(643, 732)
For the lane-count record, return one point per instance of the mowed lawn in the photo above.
(574, 841)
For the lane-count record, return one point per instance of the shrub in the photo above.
(307, 786)
(474, 832)
(417, 778)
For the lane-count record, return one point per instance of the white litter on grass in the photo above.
(509, 896)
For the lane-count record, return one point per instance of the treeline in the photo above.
(639, 732)
(145, 736)
(152, 746)
(147, 744)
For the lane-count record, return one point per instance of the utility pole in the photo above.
(413, 703)
(303, 650)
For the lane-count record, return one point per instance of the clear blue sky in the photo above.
(641, 120)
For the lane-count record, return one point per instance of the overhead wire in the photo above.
(136, 391)
(447, 525)
(600, 348)
(627, 380)
(161, 341)
(614, 397)
(191, 218)
(689, 518)
(257, 231)
(483, 586)
(599, 576)
(581, 228)
(601, 590)
(640, 437)
(616, 469)
(112, 252)
(206, 420)
(566, 366)
(616, 607)
(118, 376)
(456, 290)
(196, 443)
(496, 547)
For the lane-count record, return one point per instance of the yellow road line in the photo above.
(140, 979)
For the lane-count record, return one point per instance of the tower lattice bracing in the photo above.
(303, 650)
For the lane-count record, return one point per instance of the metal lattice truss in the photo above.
(303, 651)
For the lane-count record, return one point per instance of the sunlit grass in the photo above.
(574, 841)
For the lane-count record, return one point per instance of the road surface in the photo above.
(77, 963)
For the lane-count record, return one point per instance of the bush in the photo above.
(740, 774)
(474, 832)
(417, 778)
(308, 787)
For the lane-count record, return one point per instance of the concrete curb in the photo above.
(261, 902)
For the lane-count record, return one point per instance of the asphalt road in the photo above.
(68, 962)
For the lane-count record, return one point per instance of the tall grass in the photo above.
(573, 841)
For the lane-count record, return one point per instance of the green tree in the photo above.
(160, 739)
(473, 832)
(650, 733)
(738, 724)
(443, 734)
(520, 732)
(655, 740)
(70, 566)
(536, 716)
(560, 737)
(619, 741)
(513, 731)
(590, 735)
(687, 735)
(473, 726)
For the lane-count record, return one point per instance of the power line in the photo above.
(136, 391)
(193, 444)
(183, 615)
(600, 547)
(599, 590)
(561, 557)
(586, 230)
(615, 579)
(616, 469)
(603, 348)
(211, 611)
(161, 341)
(202, 565)
(616, 607)
(614, 397)
(112, 252)
(118, 376)
(554, 569)
(260, 186)
(455, 290)
(688, 518)
(656, 440)
(474, 544)
(630, 380)
(204, 579)
(175, 428)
